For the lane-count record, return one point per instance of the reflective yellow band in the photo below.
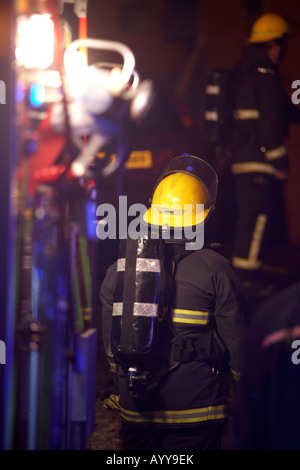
(236, 375)
(263, 36)
(195, 317)
(245, 263)
(258, 232)
(252, 167)
(241, 114)
(278, 152)
(252, 262)
(112, 366)
(177, 416)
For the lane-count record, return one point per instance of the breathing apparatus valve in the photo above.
(136, 379)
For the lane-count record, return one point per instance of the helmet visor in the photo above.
(196, 167)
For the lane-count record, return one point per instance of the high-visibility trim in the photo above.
(140, 309)
(196, 415)
(264, 36)
(245, 263)
(252, 262)
(257, 236)
(142, 264)
(211, 116)
(117, 309)
(242, 114)
(121, 264)
(278, 152)
(236, 375)
(252, 167)
(112, 366)
(195, 317)
(148, 265)
(212, 90)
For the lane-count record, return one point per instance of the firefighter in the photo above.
(208, 311)
(261, 116)
(266, 414)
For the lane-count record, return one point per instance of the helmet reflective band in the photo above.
(179, 200)
(268, 27)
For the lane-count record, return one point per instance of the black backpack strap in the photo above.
(128, 293)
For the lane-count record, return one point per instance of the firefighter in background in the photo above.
(261, 116)
(267, 414)
(208, 311)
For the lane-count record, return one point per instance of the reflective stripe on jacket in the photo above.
(197, 415)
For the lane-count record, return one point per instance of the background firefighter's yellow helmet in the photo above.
(267, 28)
(186, 182)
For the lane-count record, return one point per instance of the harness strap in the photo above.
(128, 293)
(188, 350)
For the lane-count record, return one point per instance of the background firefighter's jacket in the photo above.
(266, 411)
(208, 321)
(262, 112)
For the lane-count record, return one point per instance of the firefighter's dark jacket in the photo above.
(267, 413)
(262, 112)
(208, 298)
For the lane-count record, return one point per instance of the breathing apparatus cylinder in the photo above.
(218, 106)
(140, 310)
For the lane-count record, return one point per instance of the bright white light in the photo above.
(142, 99)
(78, 169)
(35, 41)
(76, 70)
(75, 62)
(114, 78)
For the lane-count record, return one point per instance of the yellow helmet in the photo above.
(184, 195)
(268, 27)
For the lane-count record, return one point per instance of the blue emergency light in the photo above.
(37, 94)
